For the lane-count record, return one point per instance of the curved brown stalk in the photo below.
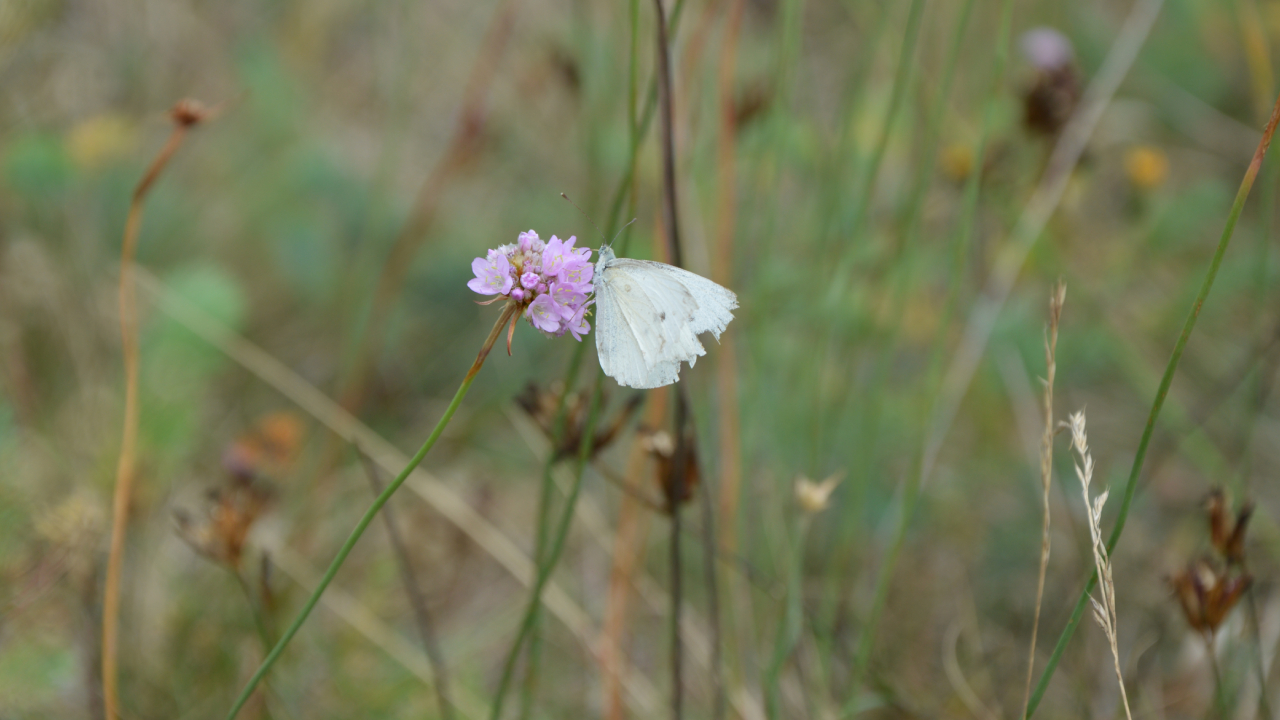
(185, 114)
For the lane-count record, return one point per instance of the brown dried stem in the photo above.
(1056, 301)
(185, 115)
(726, 362)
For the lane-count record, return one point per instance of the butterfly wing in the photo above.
(621, 357)
(649, 315)
(659, 312)
(709, 305)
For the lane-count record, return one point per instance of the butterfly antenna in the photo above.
(624, 227)
(584, 214)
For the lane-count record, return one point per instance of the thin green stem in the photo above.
(507, 312)
(905, 277)
(650, 105)
(792, 621)
(412, 588)
(546, 568)
(1219, 695)
(1135, 472)
(258, 622)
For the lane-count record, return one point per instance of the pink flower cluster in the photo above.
(550, 280)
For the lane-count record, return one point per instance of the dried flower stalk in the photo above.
(185, 115)
(1104, 610)
(1056, 301)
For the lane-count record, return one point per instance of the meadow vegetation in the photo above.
(235, 246)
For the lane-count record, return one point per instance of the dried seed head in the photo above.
(541, 405)
(1207, 594)
(188, 112)
(813, 497)
(232, 510)
(1227, 534)
(661, 445)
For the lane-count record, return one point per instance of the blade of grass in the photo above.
(412, 588)
(372, 628)
(851, 223)
(1034, 218)
(507, 313)
(1242, 194)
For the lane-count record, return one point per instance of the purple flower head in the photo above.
(578, 325)
(549, 281)
(544, 314)
(527, 240)
(493, 275)
(554, 256)
(1046, 49)
(567, 297)
(578, 272)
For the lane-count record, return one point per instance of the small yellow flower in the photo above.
(813, 496)
(957, 161)
(1146, 166)
(100, 140)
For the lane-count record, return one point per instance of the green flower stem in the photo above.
(1241, 195)
(548, 566)
(507, 312)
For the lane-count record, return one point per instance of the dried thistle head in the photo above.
(1055, 91)
(229, 515)
(1207, 594)
(1226, 533)
(813, 497)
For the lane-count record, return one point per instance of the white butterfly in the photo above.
(648, 318)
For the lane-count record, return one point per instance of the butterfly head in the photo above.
(605, 255)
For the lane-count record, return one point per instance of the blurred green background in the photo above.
(826, 153)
